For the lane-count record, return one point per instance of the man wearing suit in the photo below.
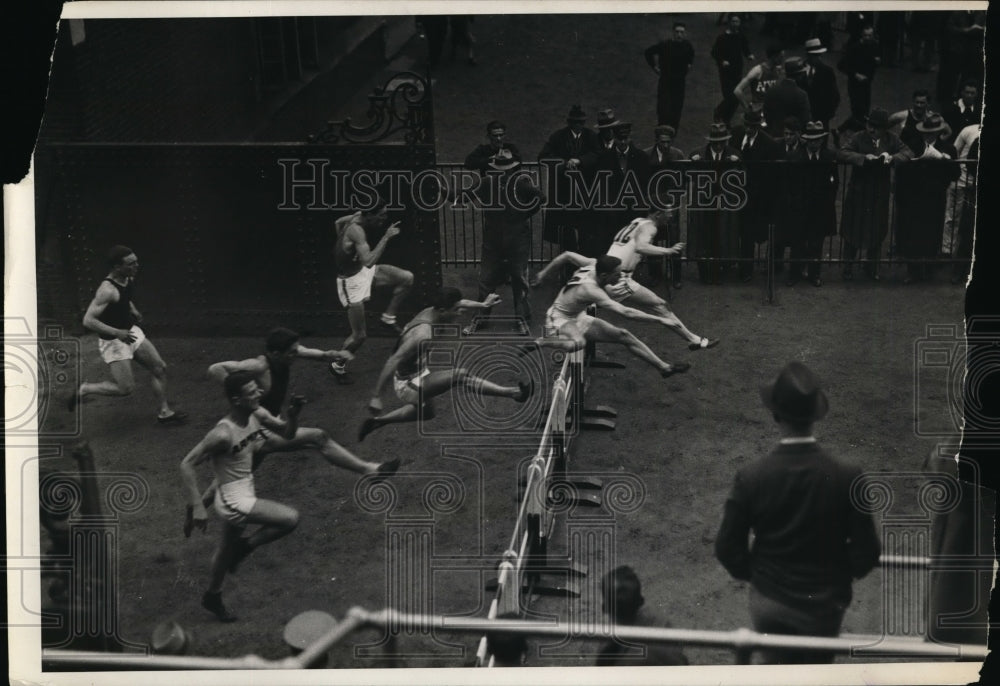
(713, 233)
(820, 84)
(561, 153)
(785, 98)
(810, 538)
(663, 155)
(671, 59)
(629, 174)
(865, 219)
(757, 149)
(593, 230)
(811, 193)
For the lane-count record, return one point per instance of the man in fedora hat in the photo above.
(497, 147)
(758, 150)
(671, 59)
(713, 234)
(864, 222)
(810, 539)
(562, 152)
(921, 196)
(810, 196)
(606, 123)
(820, 84)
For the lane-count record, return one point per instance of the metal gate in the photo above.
(237, 238)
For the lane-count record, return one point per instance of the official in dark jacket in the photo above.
(812, 180)
(713, 224)
(561, 153)
(820, 84)
(758, 151)
(627, 168)
(921, 190)
(671, 59)
(785, 98)
(810, 537)
(865, 219)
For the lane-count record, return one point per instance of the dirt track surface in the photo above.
(683, 438)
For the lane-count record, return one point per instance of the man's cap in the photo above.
(932, 123)
(576, 113)
(718, 132)
(796, 395)
(878, 118)
(664, 130)
(814, 129)
(622, 590)
(814, 46)
(606, 118)
(304, 628)
(170, 638)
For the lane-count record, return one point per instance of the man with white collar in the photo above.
(809, 538)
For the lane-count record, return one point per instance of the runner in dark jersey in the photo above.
(271, 372)
(113, 316)
(414, 383)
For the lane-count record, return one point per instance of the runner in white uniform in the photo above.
(232, 445)
(414, 383)
(631, 245)
(569, 327)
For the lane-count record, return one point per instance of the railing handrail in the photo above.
(741, 639)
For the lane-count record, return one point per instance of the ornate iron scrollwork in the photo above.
(402, 104)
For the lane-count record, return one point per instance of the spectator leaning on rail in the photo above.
(810, 539)
(865, 219)
(496, 147)
(921, 195)
(623, 602)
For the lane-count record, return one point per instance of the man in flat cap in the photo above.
(810, 537)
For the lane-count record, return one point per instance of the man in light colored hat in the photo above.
(758, 150)
(820, 84)
(809, 198)
(921, 197)
(810, 538)
(713, 233)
